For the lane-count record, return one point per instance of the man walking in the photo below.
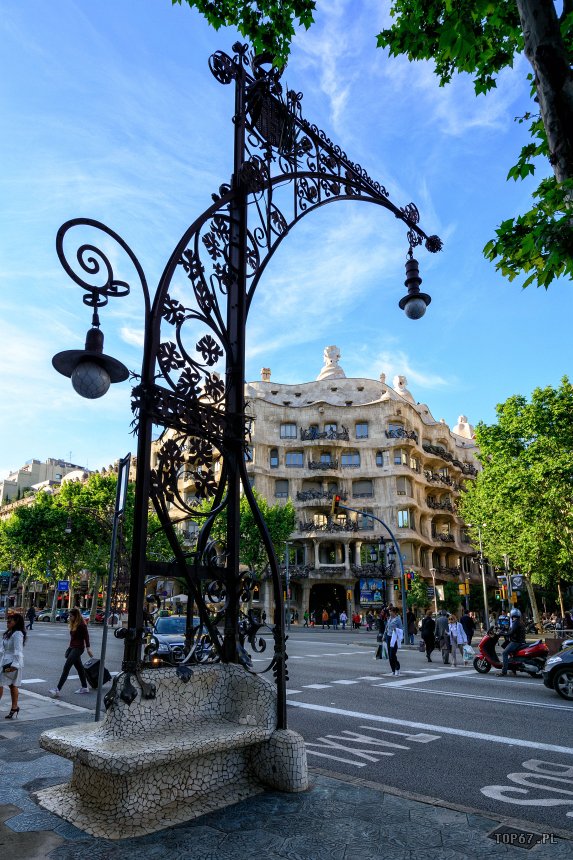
(31, 616)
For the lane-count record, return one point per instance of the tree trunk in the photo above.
(545, 50)
(560, 593)
(95, 592)
(533, 601)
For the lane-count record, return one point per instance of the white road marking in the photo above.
(58, 703)
(345, 682)
(408, 681)
(444, 730)
(291, 692)
(337, 758)
(33, 681)
(316, 686)
(538, 774)
(369, 678)
(547, 705)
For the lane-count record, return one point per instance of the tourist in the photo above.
(12, 659)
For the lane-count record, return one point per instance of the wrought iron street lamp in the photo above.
(284, 168)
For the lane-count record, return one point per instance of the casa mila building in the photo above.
(385, 454)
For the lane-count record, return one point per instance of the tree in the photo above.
(482, 38)
(268, 24)
(524, 495)
(280, 520)
(418, 593)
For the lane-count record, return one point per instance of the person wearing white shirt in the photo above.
(457, 636)
(12, 659)
(395, 632)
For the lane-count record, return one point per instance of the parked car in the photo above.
(46, 615)
(558, 672)
(113, 618)
(169, 636)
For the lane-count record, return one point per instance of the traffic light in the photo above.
(408, 581)
(334, 508)
(396, 585)
(498, 595)
(349, 595)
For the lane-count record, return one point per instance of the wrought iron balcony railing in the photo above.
(401, 433)
(447, 537)
(312, 434)
(322, 464)
(319, 495)
(445, 505)
(328, 526)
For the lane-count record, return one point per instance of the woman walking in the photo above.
(395, 632)
(79, 641)
(457, 638)
(12, 659)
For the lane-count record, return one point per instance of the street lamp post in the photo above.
(433, 575)
(284, 168)
(287, 585)
(482, 570)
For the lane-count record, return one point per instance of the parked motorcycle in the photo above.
(530, 657)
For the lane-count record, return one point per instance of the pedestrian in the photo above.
(334, 619)
(343, 619)
(31, 616)
(312, 618)
(428, 633)
(305, 616)
(442, 638)
(369, 621)
(395, 633)
(468, 624)
(411, 622)
(12, 659)
(457, 638)
(79, 641)
(325, 619)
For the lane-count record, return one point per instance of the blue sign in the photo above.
(63, 584)
(372, 590)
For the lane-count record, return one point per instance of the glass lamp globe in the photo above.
(415, 308)
(90, 380)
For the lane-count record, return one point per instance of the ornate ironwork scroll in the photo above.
(191, 384)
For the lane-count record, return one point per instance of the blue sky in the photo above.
(109, 111)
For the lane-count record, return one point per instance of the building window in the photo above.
(403, 486)
(326, 458)
(364, 522)
(444, 472)
(331, 428)
(249, 454)
(350, 459)
(362, 430)
(393, 426)
(415, 464)
(274, 458)
(400, 457)
(294, 458)
(363, 489)
(380, 458)
(404, 519)
(288, 431)
(281, 489)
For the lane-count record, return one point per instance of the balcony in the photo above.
(445, 505)
(438, 451)
(435, 477)
(322, 465)
(328, 526)
(318, 495)
(446, 537)
(313, 434)
(401, 433)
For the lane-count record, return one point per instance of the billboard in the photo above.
(372, 591)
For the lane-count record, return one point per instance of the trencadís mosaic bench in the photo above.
(197, 746)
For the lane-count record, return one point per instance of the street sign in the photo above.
(517, 581)
(63, 584)
(430, 590)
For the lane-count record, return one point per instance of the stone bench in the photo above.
(197, 746)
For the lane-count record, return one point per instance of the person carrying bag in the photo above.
(79, 641)
(12, 659)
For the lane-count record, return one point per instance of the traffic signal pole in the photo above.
(338, 506)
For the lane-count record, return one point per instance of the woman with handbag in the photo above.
(12, 659)
(79, 641)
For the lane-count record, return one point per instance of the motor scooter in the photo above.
(529, 658)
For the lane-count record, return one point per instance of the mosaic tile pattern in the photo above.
(195, 748)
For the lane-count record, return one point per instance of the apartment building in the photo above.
(386, 455)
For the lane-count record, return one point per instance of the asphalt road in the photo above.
(496, 744)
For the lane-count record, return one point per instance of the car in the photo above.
(46, 615)
(113, 618)
(168, 634)
(558, 672)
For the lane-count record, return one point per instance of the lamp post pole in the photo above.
(287, 585)
(433, 574)
(482, 570)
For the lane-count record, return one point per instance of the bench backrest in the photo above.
(220, 690)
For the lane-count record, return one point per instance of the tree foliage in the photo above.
(280, 520)
(523, 498)
(482, 38)
(268, 24)
(418, 593)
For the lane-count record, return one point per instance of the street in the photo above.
(494, 744)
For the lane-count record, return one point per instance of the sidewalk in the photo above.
(337, 819)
